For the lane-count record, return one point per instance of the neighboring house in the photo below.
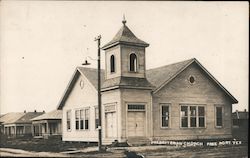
(181, 101)
(48, 124)
(240, 124)
(18, 124)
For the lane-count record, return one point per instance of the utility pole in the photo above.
(98, 39)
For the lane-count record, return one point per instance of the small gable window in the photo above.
(133, 62)
(112, 63)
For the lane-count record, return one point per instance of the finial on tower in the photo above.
(124, 20)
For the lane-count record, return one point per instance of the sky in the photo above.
(41, 43)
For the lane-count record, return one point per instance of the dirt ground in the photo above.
(57, 148)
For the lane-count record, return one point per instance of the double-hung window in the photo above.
(192, 116)
(82, 119)
(96, 118)
(165, 115)
(68, 118)
(218, 116)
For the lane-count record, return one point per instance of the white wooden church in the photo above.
(181, 101)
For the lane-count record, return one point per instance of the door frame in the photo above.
(145, 112)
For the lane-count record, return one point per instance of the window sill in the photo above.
(165, 127)
(192, 128)
(218, 127)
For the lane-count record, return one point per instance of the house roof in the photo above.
(155, 79)
(125, 36)
(240, 115)
(92, 75)
(158, 76)
(18, 117)
(52, 115)
(11, 117)
(127, 82)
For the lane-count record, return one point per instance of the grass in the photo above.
(43, 145)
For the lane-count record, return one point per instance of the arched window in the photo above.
(133, 62)
(112, 63)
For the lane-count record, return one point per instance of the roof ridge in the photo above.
(192, 59)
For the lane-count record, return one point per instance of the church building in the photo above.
(180, 101)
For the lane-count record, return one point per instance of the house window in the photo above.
(133, 62)
(165, 116)
(68, 120)
(96, 118)
(192, 116)
(82, 119)
(77, 115)
(218, 116)
(184, 116)
(86, 118)
(201, 115)
(112, 63)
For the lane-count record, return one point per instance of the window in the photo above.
(68, 120)
(191, 79)
(201, 115)
(112, 63)
(165, 116)
(86, 118)
(136, 107)
(96, 118)
(218, 116)
(192, 116)
(184, 116)
(82, 119)
(133, 62)
(77, 115)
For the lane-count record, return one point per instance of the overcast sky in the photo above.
(42, 43)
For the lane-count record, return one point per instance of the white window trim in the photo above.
(114, 64)
(96, 107)
(70, 120)
(215, 115)
(169, 115)
(79, 109)
(197, 116)
(137, 63)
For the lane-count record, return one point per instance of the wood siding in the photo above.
(202, 92)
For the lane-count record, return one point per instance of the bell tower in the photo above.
(125, 58)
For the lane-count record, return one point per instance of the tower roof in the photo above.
(125, 36)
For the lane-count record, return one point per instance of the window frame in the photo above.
(96, 118)
(112, 63)
(135, 64)
(196, 116)
(82, 118)
(68, 118)
(169, 115)
(215, 116)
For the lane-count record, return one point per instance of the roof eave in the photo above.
(123, 42)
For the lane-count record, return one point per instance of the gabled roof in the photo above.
(18, 117)
(52, 115)
(89, 73)
(11, 117)
(125, 36)
(163, 75)
(158, 76)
